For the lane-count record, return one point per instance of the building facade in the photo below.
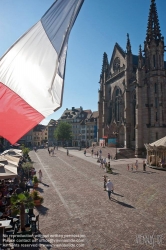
(132, 103)
(84, 126)
(51, 128)
(40, 135)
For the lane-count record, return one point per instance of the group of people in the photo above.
(135, 166)
(51, 151)
(97, 153)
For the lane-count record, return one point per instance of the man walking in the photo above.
(109, 188)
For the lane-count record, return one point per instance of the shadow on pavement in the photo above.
(143, 172)
(45, 184)
(42, 210)
(40, 189)
(114, 173)
(117, 194)
(122, 203)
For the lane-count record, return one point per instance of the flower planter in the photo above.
(37, 202)
(35, 185)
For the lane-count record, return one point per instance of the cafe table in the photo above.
(3, 224)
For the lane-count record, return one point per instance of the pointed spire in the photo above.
(153, 28)
(140, 52)
(105, 64)
(128, 46)
(140, 58)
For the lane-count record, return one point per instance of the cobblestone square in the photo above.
(77, 214)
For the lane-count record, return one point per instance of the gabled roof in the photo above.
(52, 122)
(117, 47)
(95, 114)
(39, 128)
(70, 113)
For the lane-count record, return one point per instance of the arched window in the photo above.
(117, 104)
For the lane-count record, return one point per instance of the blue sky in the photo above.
(99, 25)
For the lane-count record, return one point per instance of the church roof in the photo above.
(120, 49)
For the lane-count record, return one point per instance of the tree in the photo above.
(20, 202)
(63, 132)
(25, 150)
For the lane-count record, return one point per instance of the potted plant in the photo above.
(27, 167)
(37, 198)
(20, 202)
(35, 181)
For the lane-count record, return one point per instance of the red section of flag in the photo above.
(16, 116)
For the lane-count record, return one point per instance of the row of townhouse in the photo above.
(37, 136)
(84, 130)
(84, 126)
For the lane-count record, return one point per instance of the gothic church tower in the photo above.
(151, 85)
(131, 94)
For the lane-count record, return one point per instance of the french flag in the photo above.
(32, 71)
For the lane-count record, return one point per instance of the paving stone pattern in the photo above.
(77, 207)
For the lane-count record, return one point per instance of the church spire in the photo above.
(105, 65)
(140, 58)
(128, 46)
(153, 28)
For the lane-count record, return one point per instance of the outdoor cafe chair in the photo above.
(34, 221)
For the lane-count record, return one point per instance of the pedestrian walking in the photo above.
(109, 156)
(105, 165)
(136, 165)
(40, 175)
(105, 181)
(92, 152)
(109, 188)
(85, 152)
(101, 163)
(128, 167)
(132, 167)
(97, 153)
(100, 153)
(144, 166)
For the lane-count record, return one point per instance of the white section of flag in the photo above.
(28, 69)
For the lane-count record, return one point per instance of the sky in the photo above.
(99, 25)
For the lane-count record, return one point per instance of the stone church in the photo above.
(132, 94)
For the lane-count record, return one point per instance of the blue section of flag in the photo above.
(58, 21)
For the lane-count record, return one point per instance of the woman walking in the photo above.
(40, 175)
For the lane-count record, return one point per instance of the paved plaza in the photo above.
(77, 214)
